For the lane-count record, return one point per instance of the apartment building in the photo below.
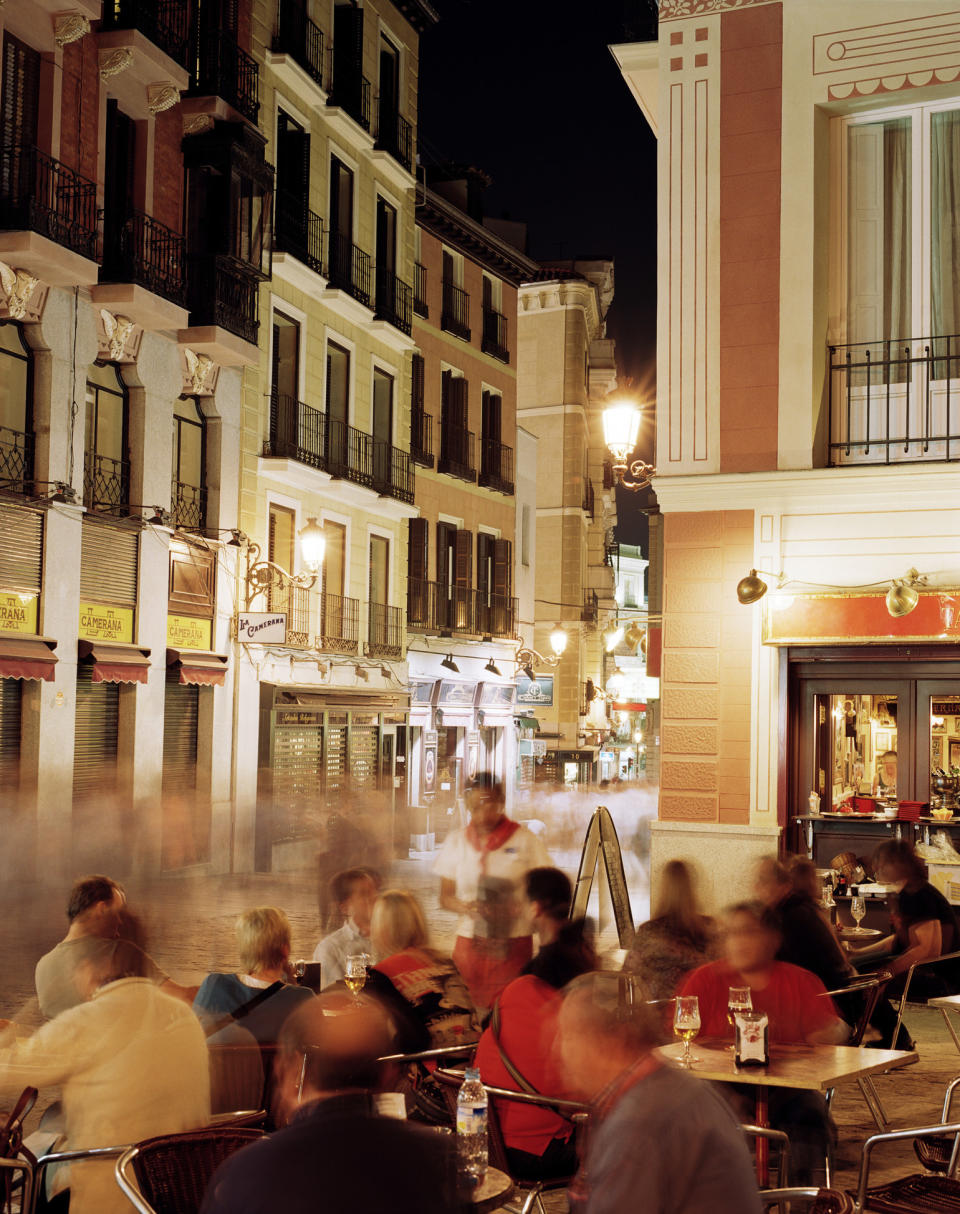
(806, 419)
(132, 191)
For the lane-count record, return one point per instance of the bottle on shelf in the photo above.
(472, 1128)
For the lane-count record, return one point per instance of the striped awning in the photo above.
(199, 667)
(113, 663)
(27, 657)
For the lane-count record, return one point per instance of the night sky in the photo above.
(527, 91)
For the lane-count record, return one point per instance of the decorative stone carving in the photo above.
(161, 97)
(115, 62)
(697, 8)
(120, 339)
(18, 286)
(196, 124)
(201, 373)
(70, 27)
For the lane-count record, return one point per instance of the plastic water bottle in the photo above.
(472, 1127)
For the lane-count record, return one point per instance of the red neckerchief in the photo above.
(504, 830)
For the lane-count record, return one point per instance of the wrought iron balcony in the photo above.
(496, 615)
(297, 431)
(895, 401)
(456, 453)
(339, 624)
(39, 194)
(163, 22)
(16, 461)
(224, 70)
(494, 340)
(143, 251)
(394, 134)
(455, 310)
(394, 300)
(421, 438)
(351, 89)
(420, 289)
(298, 230)
(300, 38)
(496, 465)
(384, 631)
(348, 268)
(299, 606)
(591, 607)
(223, 291)
(106, 483)
(188, 506)
(448, 609)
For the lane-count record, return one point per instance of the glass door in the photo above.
(938, 721)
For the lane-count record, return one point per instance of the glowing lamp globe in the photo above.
(558, 639)
(621, 429)
(313, 545)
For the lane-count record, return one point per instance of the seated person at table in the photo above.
(807, 939)
(518, 1051)
(336, 1153)
(677, 938)
(132, 1063)
(422, 989)
(798, 1009)
(352, 894)
(263, 942)
(924, 927)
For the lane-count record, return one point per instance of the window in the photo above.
(189, 453)
(16, 408)
(334, 558)
(452, 268)
(286, 356)
(106, 466)
(492, 294)
(386, 236)
(525, 534)
(20, 96)
(252, 208)
(338, 403)
(389, 82)
(281, 544)
(379, 569)
(341, 199)
(382, 427)
(293, 183)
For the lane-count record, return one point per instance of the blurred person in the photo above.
(806, 937)
(352, 894)
(480, 869)
(677, 938)
(885, 779)
(423, 990)
(258, 995)
(924, 927)
(132, 1062)
(799, 1011)
(98, 917)
(517, 1049)
(661, 1140)
(336, 1152)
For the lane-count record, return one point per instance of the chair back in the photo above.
(12, 1149)
(814, 1201)
(868, 990)
(173, 1171)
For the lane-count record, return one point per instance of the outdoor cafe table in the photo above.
(495, 1191)
(812, 1068)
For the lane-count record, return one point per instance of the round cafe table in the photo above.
(496, 1190)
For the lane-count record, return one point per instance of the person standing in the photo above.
(481, 869)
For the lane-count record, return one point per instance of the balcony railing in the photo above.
(421, 438)
(299, 606)
(143, 251)
(394, 134)
(496, 465)
(496, 615)
(163, 22)
(895, 401)
(188, 506)
(298, 230)
(224, 292)
(16, 460)
(394, 300)
(106, 483)
(609, 476)
(589, 500)
(224, 70)
(351, 90)
(339, 624)
(384, 631)
(300, 432)
(456, 453)
(448, 609)
(420, 289)
(494, 340)
(455, 311)
(348, 268)
(299, 37)
(39, 194)
(591, 607)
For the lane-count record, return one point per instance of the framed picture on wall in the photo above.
(936, 752)
(955, 752)
(884, 738)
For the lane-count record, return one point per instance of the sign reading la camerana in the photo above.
(18, 612)
(262, 627)
(98, 622)
(186, 632)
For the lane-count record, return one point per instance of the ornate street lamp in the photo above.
(262, 574)
(621, 431)
(527, 658)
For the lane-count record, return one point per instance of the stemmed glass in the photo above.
(355, 973)
(686, 1024)
(858, 909)
(739, 999)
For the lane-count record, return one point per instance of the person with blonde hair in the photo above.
(678, 937)
(258, 995)
(422, 988)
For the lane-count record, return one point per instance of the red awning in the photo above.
(27, 658)
(198, 667)
(629, 706)
(115, 663)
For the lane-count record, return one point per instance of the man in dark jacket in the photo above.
(807, 938)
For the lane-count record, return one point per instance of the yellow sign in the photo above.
(185, 632)
(18, 612)
(101, 623)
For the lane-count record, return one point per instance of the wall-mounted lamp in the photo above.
(527, 658)
(621, 430)
(261, 574)
(492, 668)
(903, 595)
(612, 638)
(752, 588)
(449, 664)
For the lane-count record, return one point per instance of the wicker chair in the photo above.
(936, 1154)
(172, 1172)
(813, 1201)
(17, 1164)
(914, 1194)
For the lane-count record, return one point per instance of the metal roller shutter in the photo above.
(21, 553)
(297, 764)
(108, 564)
(335, 762)
(181, 712)
(11, 693)
(95, 740)
(364, 743)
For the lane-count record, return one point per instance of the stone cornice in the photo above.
(560, 293)
(456, 228)
(672, 10)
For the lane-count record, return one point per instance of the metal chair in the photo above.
(814, 1201)
(870, 987)
(17, 1162)
(170, 1174)
(915, 1193)
(904, 998)
(57, 1157)
(779, 1139)
(935, 1153)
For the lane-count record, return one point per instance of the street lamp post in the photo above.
(621, 431)
(261, 574)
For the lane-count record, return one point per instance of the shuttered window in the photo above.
(417, 382)
(503, 568)
(418, 555)
(20, 98)
(464, 558)
(108, 564)
(95, 739)
(21, 553)
(11, 696)
(297, 765)
(335, 762)
(181, 712)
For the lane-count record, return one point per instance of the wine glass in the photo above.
(686, 1024)
(739, 999)
(355, 973)
(858, 909)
